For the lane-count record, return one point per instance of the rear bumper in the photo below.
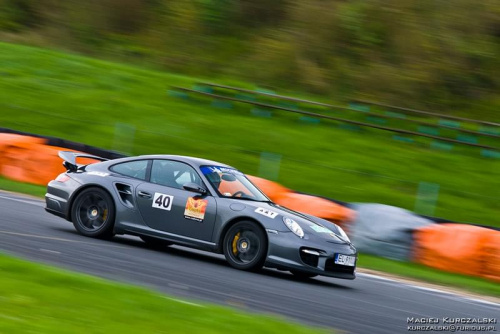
(56, 213)
(286, 253)
(57, 198)
(56, 205)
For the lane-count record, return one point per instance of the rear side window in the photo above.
(136, 169)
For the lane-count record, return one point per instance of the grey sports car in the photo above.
(167, 199)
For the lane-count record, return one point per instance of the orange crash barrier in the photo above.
(28, 159)
(272, 189)
(16, 156)
(32, 163)
(308, 204)
(7, 140)
(316, 206)
(459, 248)
(492, 262)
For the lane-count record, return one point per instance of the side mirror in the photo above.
(190, 186)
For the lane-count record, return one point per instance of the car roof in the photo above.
(190, 160)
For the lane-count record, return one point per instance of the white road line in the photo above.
(58, 239)
(16, 194)
(23, 201)
(433, 290)
(483, 301)
(183, 302)
(178, 286)
(49, 251)
(376, 277)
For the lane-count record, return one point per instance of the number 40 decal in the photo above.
(162, 201)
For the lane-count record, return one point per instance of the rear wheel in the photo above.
(245, 246)
(93, 213)
(155, 242)
(302, 274)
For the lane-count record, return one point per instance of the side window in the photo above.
(173, 174)
(136, 169)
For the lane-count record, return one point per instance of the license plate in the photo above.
(345, 260)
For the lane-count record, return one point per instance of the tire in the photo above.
(302, 274)
(245, 246)
(93, 213)
(155, 243)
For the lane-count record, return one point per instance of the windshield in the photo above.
(232, 183)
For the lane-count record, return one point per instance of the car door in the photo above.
(166, 206)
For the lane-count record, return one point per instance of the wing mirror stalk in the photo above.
(190, 186)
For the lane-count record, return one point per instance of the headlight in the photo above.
(294, 227)
(343, 234)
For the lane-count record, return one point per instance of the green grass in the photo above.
(41, 299)
(423, 273)
(20, 187)
(86, 100)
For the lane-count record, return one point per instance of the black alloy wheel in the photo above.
(245, 246)
(93, 213)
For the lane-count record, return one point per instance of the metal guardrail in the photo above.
(281, 97)
(331, 106)
(316, 115)
(428, 113)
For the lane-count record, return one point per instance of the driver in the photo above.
(214, 179)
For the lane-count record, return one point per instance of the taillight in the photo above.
(62, 177)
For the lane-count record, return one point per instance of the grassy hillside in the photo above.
(438, 55)
(117, 106)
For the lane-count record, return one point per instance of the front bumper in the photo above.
(286, 252)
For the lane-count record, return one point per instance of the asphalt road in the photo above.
(365, 305)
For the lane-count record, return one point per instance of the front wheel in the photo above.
(93, 213)
(245, 246)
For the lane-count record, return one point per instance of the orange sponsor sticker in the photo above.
(195, 209)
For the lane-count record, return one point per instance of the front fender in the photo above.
(227, 215)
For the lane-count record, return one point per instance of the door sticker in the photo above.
(266, 212)
(162, 201)
(195, 209)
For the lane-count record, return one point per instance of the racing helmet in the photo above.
(214, 179)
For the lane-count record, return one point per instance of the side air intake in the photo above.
(126, 194)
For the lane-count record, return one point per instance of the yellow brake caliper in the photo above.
(235, 240)
(105, 214)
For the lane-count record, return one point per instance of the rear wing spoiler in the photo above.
(70, 159)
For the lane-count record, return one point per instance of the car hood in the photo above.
(313, 228)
